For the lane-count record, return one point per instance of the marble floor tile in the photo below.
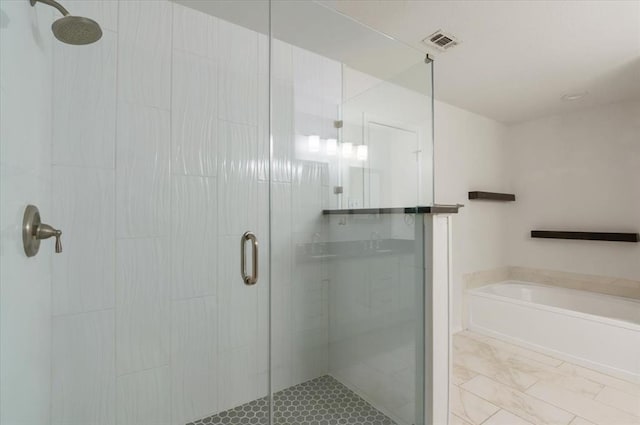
(621, 400)
(524, 352)
(470, 407)
(552, 375)
(594, 411)
(523, 405)
(579, 421)
(461, 374)
(601, 378)
(483, 359)
(531, 388)
(505, 418)
(457, 420)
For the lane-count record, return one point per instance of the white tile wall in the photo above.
(142, 173)
(194, 236)
(83, 379)
(83, 275)
(194, 365)
(195, 32)
(84, 103)
(144, 52)
(238, 182)
(143, 398)
(194, 115)
(142, 304)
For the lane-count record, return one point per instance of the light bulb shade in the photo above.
(347, 150)
(362, 152)
(332, 147)
(314, 143)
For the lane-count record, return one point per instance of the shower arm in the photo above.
(51, 3)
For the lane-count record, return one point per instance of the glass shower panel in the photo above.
(351, 129)
(388, 124)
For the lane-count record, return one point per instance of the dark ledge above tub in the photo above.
(586, 236)
(432, 209)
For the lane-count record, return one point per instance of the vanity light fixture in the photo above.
(347, 150)
(362, 152)
(314, 143)
(332, 147)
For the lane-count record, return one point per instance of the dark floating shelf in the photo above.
(587, 236)
(492, 196)
(432, 209)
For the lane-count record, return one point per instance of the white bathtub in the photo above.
(597, 331)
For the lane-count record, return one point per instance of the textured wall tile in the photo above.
(142, 175)
(237, 47)
(281, 235)
(142, 304)
(238, 94)
(144, 52)
(239, 382)
(282, 60)
(194, 236)
(238, 74)
(143, 398)
(307, 198)
(84, 103)
(83, 208)
(83, 379)
(237, 182)
(282, 129)
(194, 115)
(194, 365)
(194, 31)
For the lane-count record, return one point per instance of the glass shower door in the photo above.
(148, 149)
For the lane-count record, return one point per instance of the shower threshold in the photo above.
(323, 400)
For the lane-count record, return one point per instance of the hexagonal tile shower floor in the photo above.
(321, 401)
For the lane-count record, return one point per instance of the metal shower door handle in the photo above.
(253, 279)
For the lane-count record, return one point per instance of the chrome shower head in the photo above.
(69, 29)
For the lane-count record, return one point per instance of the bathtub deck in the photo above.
(497, 383)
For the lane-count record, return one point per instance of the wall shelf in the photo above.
(432, 209)
(492, 196)
(586, 236)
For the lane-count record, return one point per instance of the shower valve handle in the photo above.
(33, 231)
(44, 231)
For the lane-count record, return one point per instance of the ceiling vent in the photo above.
(441, 40)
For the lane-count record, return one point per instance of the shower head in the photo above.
(69, 29)
(76, 30)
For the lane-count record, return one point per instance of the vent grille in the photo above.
(441, 40)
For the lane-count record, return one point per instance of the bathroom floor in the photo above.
(322, 400)
(497, 383)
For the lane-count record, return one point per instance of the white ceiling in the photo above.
(517, 58)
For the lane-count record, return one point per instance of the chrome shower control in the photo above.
(33, 231)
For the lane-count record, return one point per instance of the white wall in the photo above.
(470, 152)
(25, 169)
(578, 171)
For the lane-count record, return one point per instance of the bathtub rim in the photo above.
(585, 316)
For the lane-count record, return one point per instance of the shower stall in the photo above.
(242, 193)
